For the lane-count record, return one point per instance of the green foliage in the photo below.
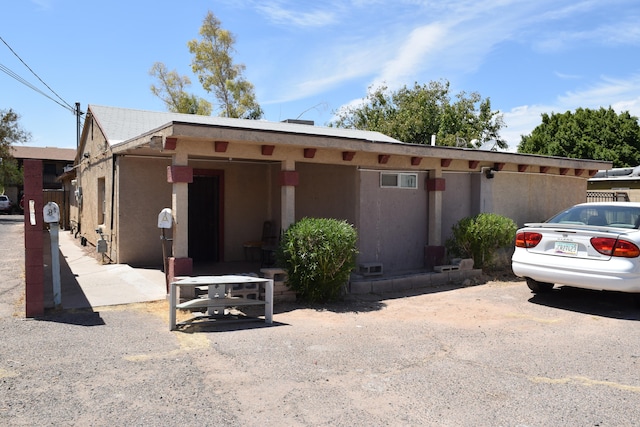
(213, 64)
(171, 89)
(412, 115)
(480, 237)
(587, 134)
(10, 133)
(319, 255)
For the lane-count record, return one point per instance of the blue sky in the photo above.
(307, 59)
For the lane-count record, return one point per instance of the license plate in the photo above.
(568, 248)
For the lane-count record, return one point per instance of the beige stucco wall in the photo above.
(248, 194)
(395, 220)
(523, 197)
(95, 164)
(326, 191)
(459, 200)
(532, 197)
(144, 192)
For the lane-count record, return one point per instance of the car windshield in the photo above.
(602, 215)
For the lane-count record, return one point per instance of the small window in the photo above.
(102, 201)
(398, 180)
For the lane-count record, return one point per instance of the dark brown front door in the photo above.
(205, 216)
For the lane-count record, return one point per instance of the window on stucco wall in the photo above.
(398, 180)
(102, 202)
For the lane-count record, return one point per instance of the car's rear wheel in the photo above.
(538, 287)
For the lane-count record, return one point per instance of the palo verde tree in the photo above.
(10, 133)
(172, 90)
(213, 64)
(587, 134)
(414, 114)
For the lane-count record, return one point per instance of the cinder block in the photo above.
(359, 287)
(466, 264)
(371, 269)
(443, 268)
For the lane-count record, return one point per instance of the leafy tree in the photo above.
(213, 64)
(587, 134)
(414, 114)
(10, 133)
(171, 89)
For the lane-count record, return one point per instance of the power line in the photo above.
(12, 74)
(23, 81)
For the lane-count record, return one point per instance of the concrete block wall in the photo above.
(281, 293)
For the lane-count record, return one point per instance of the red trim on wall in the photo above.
(522, 168)
(179, 267)
(498, 166)
(170, 143)
(289, 178)
(544, 169)
(267, 150)
(348, 155)
(592, 172)
(473, 164)
(435, 184)
(564, 171)
(220, 146)
(578, 172)
(176, 174)
(383, 158)
(309, 153)
(415, 161)
(445, 162)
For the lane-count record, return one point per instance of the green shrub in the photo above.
(481, 237)
(318, 255)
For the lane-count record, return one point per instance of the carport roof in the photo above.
(123, 124)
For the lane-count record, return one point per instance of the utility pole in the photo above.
(78, 114)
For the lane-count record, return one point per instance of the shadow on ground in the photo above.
(81, 313)
(86, 317)
(614, 305)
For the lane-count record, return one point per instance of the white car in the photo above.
(590, 245)
(5, 204)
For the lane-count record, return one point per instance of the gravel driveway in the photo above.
(485, 355)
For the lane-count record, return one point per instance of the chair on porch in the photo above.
(269, 247)
(267, 243)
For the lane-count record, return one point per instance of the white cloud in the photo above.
(521, 121)
(277, 13)
(619, 94)
(42, 4)
(607, 92)
(567, 76)
(421, 43)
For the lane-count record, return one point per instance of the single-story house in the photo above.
(224, 178)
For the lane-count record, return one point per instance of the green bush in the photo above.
(318, 255)
(481, 237)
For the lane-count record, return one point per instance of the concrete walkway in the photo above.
(87, 283)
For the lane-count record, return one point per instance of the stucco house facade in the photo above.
(223, 178)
